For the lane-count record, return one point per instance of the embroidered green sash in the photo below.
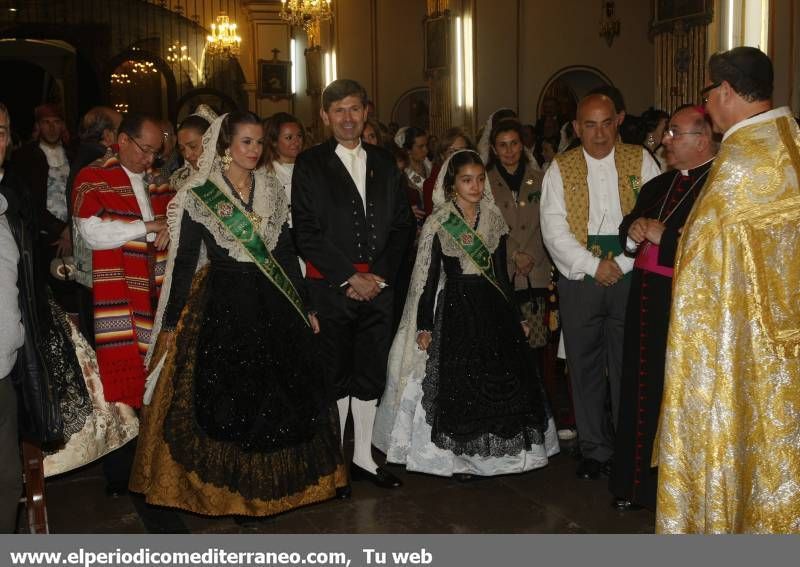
(241, 227)
(469, 241)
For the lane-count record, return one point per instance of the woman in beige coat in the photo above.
(517, 186)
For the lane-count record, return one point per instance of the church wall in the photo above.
(496, 56)
(377, 42)
(550, 47)
(550, 37)
(520, 45)
(785, 52)
(355, 48)
(399, 42)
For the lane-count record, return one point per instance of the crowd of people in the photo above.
(203, 308)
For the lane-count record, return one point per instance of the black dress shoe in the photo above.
(591, 469)
(623, 505)
(344, 492)
(468, 477)
(382, 478)
(115, 489)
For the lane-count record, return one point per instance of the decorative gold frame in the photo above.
(274, 79)
(687, 13)
(437, 43)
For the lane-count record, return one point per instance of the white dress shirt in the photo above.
(102, 234)
(57, 175)
(571, 257)
(355, 161)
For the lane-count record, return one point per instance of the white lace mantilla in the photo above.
(491, 226)
(269, 202)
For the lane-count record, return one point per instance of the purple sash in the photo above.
(647, 259)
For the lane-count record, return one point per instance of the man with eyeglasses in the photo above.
(729, 434)
(120, 213)
(650, 234)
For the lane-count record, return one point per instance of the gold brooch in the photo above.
(596, 250)
(467, 239)
(255, 220)
(225, 210)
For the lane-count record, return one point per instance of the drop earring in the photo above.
(226, 160)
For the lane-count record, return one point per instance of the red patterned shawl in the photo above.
(126, 280)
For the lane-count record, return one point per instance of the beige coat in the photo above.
(522, 217)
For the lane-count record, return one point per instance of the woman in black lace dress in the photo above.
(476, 405)
(240, 422)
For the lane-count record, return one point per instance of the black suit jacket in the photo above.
(331, 229)
(30, 164)
(649, 202)
(39, 413)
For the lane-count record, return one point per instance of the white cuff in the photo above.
(624, 262)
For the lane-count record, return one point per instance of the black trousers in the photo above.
(355, 337)
(11, 470)
(593, 320)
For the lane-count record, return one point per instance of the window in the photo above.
(744, 22)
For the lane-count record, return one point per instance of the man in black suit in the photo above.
(353, 225)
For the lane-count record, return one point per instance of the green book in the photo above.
(604, 246)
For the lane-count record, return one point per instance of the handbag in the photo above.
(532, 304)
(63, 268)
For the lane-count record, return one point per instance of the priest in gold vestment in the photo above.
(729, 445)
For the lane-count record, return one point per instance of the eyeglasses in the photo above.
(673, 133)
(704, 93)
(146, 151)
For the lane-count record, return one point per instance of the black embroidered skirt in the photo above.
(248, 423)
(482, 393)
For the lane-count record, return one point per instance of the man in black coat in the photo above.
(651, 232)
(42, 165)
(353, 225)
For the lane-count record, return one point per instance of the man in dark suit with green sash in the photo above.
(585, 193)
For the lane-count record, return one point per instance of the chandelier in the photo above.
(223, 39)
(306, 13)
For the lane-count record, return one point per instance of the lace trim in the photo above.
(482, 440)
(491, 227)
(271, 204)
(65, 370)
(180, 176)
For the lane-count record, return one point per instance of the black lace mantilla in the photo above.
(65, 370)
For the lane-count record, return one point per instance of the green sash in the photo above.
(469, 241)
(604, 246)
(241, 227)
